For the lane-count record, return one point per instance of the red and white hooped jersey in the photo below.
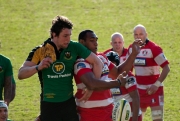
(147, 64)
(98, 98)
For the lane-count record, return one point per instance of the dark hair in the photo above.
(113, 56)
(59, 23)
(82, 34)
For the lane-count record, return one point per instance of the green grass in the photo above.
(25, 24)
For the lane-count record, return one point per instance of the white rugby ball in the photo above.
(121, 111)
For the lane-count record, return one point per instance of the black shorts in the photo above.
(59, 111)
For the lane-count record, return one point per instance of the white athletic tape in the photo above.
(157, 114)
(157, 83)
(3, 104)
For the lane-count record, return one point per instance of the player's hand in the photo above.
(136, 46)
(45, 63)
(87, 93)
(152, 89)
(123, 78)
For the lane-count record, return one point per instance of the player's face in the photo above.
(117, 44)
(91, 42)
(140, 33)
(3, 114)
(63, 40)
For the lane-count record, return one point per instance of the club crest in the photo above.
(67, 55)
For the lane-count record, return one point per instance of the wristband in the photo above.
(157, 83)
(119, 81)
(37, 68)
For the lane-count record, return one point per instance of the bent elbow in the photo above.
(20, 77)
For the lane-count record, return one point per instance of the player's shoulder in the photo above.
(108, 50)
(102, 56)
(4, 58)
(46, 44)
(125, 50)
(152, 44)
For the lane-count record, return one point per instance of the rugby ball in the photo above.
(121, 111)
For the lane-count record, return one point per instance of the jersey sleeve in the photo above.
(34, 55)
(82, 67)
(8, 70)
(159, 56)
(131, 84)
(82, 51)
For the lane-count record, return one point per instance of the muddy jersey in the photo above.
(98, 98)
(57, 79)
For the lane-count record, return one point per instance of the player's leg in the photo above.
(143, 112)
(157, 113)
(69, 110)
(59, 111)
(157, 105)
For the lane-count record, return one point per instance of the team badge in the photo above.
(68, 55)
(58, 67)
(144, 52)
(81, 65)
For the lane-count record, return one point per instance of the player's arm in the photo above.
(164, 73)
(29, 68)
(13, 92)
(157, 84)
(7, 89)
(93, 83)
(96, 63)
(135, 104)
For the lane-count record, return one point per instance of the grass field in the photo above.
(25, 24)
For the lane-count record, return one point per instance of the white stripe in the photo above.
(80, 86)
(125, 96)
(92, 104)
(147, 71)
(145, 53)
(145, 87)
(160, 59)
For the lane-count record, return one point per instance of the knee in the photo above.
(157, 115)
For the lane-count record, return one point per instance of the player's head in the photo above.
(3, 111)
(140, 32)
(117, 42)
(113, 57)
(89, 39)
(61, 31)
